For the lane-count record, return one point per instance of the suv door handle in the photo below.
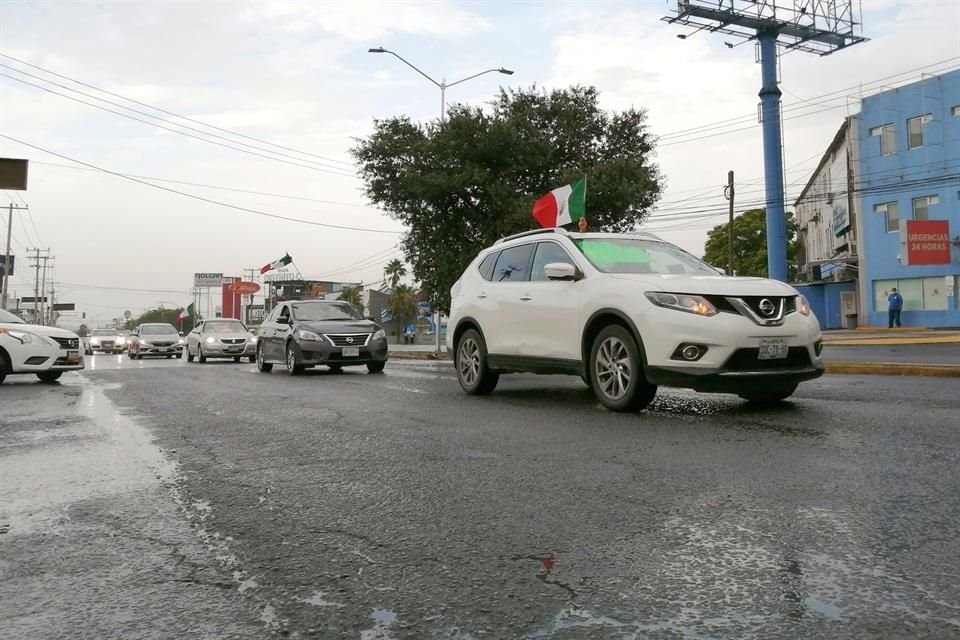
(482, 295)
(526, 297)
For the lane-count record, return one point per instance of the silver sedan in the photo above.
(221, 338)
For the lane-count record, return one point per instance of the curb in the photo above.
(894, 369)
(417, 355)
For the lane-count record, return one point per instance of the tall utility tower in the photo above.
(814, 26)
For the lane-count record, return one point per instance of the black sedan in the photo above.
(304, 334)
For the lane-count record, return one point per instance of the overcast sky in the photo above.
(298, 74)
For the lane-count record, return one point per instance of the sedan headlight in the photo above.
(379, 334)
(803, 305)
(305, 334)
(121, 340)
(682, 302)
(21, 336)
(211, 340)
(252, 339)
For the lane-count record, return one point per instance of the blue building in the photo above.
(883, 207)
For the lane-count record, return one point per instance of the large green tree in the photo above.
(394, 271)
(749, 244)
(161, 315)
(402, 304)
(460, 185)
(353, 296)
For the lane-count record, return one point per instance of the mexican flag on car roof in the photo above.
(561, 206)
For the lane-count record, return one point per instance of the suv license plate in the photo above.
(773, 350)
(351, 352)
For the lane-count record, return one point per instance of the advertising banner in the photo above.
(208, 279)
(925, 242)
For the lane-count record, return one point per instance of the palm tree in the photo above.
(393, 272)
(402, 304)
(353, 296)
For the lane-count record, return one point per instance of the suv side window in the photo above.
(548, 253)
(486, 265)
(513, 264)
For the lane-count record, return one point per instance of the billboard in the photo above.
(13, 174)
(924, 242)
(3, 263)
(838, 193)
(208, 279)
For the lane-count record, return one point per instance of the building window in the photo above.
(921, 207)
(891, 212)
(888, 139)
(915, 130)
(919, 294)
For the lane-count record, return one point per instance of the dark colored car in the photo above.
(304, 334)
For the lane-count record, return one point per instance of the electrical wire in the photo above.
(200, 198)
(170, 113)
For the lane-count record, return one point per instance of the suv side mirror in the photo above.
(562, 271)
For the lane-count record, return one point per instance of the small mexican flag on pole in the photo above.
(562, 206)
(186, 313)
(276, 264)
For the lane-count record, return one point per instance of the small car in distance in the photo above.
(220, 338)
(155, 339)
(107, 341)
(46, 352)
(304, 334)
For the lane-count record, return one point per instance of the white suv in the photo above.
(627, 312)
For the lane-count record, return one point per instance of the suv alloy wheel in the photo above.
(616, 371)
(471, 362)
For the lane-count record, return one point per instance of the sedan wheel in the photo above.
(202, 358)
(471, 361)
(616, 371)
(263, 367)
(293, 368)
(188, 353)
(49, 376)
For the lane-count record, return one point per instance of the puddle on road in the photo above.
(383, 619)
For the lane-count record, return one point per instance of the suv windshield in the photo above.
(103, 332)
(157, 330)
(319, 311)
(224, 327)
(6, 316)
(635, 255)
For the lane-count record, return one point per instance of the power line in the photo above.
(210, 186)
(200, 198)
(170, 113)
(77, 285)
(183, 133)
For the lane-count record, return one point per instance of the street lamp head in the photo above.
(506, 72)
(377, 50)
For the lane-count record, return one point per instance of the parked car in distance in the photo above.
(220, 338)
(627, 312)
(155, 339)
(46, 352)
(107, 341)
(303, 335)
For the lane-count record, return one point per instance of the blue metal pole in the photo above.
(773, 158)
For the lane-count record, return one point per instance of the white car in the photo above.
(627, 312)
(221, 338)
(44, 351)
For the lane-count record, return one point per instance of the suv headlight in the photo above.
(305, 334)
(803, 305)
(682, 302)
(379, 334)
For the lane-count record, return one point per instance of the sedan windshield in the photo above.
(103, 332)
(6, 316)
(635, 255)
(157, 330)
(320, 311)
(224, 327)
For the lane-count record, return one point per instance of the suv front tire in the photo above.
(616, 371)
(473, 372)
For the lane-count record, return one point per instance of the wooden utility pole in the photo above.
(729, 193)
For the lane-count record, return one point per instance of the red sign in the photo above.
(245, 288)
(928, 242)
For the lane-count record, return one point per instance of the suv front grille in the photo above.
(348, 339)
(748, 360)
(68, 343)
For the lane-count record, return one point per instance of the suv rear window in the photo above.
(486, 265)
(513, 265)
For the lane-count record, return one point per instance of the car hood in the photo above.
(710, 285)
(51, 332)
(160, 337)
(228, 335)
(339, 326)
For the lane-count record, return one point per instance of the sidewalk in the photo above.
(882, 336)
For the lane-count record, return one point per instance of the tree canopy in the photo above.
(402, 304)
(462, 184)
(749, 244)
(161, 315)
(352, 295)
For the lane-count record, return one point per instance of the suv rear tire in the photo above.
(473, 372)
(616, 371)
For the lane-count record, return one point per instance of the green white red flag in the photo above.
(562, 206)
(186, 313)
(276, 264)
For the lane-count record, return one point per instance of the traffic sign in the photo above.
(245, 288)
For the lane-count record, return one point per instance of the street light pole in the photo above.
(443, 85)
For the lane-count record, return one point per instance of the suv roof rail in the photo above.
(532, 232)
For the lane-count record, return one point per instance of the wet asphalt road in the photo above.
(392, 506)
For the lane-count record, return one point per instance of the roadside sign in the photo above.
(208, 279)
(926, 241)
(64, 306)
(127, 315)
(3, 263)
(245, 288)
(13, 174)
